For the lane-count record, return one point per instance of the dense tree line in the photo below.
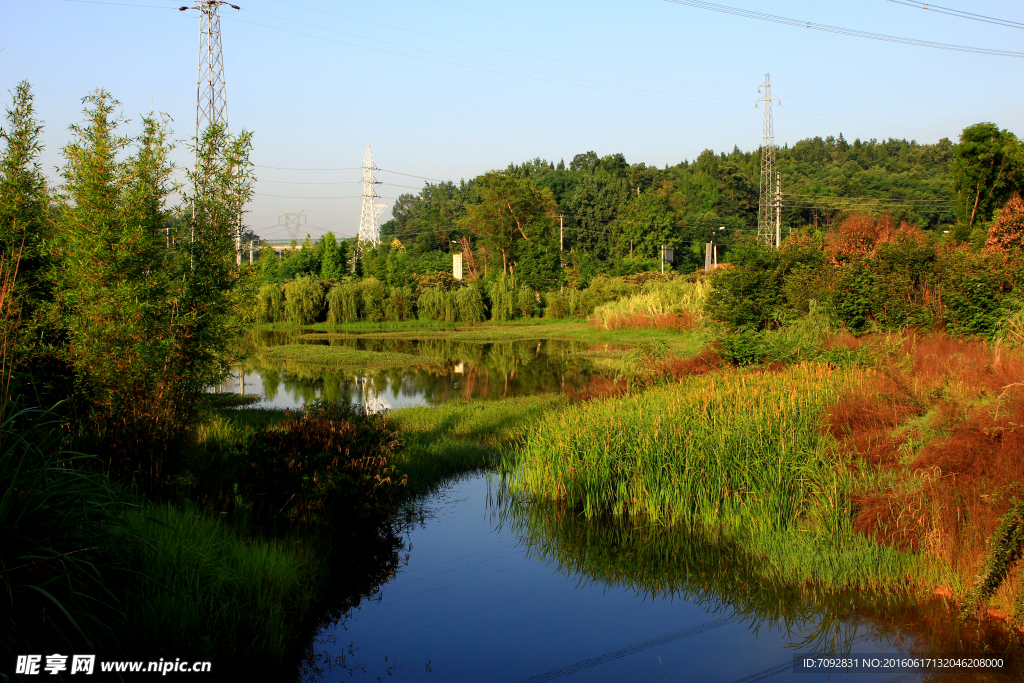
(615, 215)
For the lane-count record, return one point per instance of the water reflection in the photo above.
(452, 370)
(656, 561)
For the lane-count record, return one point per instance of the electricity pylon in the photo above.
(211, 86)
(769, 208)
(292, 222)
(369, 230)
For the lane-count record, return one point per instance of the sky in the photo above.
(447, 90)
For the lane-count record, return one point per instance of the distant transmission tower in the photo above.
(293, 222)
(369, 231)
(769, 207)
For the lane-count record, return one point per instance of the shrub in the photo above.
(435, 303)
(270, 303)
(526, 301)
(304, 300)
(399, 306)
(471, 305)
(744, 346)
(343, 303)
(556, 305)
(373, 296)
(502, 293)
(325, 461)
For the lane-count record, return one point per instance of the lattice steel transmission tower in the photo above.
(769, 208)
(369, 230)
(293, 222)
(211, 86)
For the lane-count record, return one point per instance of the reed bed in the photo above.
(661, 304)
(730, 449)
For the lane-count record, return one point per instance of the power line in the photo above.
(339, 182)
(798, 23)
(282, 168)
(120, 4)
(959, 13)
(488, 64)
(633, 74)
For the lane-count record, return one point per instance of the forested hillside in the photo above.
(612, 209)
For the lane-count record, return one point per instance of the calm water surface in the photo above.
(465, 370)
(488, 592)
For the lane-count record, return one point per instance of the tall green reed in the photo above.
(732, 448)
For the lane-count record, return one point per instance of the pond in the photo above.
(449, 370)
(489, 589)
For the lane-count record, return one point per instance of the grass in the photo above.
(741, 454)
(534, 328)
(707, 448)
(201, 590)
(443, 442)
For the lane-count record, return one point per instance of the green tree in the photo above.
(332, 258)
(986, 172)
(644, 223)
(512, 211)
(24, 199)
(112, 280)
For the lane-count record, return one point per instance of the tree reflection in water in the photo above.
(466, 370)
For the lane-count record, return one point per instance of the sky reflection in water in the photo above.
(499, 593)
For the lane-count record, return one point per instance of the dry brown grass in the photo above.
(945, 422)
(678, 322)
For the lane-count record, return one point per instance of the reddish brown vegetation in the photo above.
(1007, 233)
(861, 236)
(950, 493)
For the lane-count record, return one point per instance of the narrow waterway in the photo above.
(489, 592)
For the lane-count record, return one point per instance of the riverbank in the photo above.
(891, 475)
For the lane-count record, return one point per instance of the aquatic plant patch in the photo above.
(726, 447)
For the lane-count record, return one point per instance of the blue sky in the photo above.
(451, 89)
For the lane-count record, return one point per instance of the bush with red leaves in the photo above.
(321, 463)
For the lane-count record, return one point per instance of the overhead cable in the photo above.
(855, 33)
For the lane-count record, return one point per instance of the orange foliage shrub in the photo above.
(1007, 233)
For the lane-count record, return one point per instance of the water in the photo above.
(466, 371)
(495, 592)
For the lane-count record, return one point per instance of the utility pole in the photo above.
(211, 86)
(561, 233)
(711, 249)
(369, 230)
(778, 209)
(767, 219)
